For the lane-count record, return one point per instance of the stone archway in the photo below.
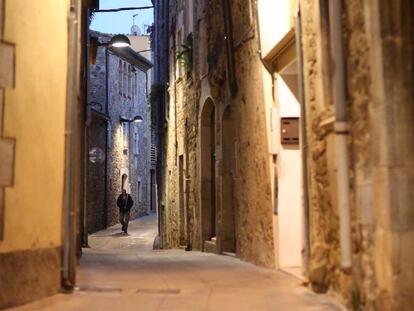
(208, 176)
(228, 223)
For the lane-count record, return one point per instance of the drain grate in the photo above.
(159, 291)
(93, 289)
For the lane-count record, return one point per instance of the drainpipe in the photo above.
(86, 125)
(341, 130)
(304, 144)
(69, 214)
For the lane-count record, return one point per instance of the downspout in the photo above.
(87, 123)
(341, 130)
(187, 187)
(106, 136)
(69, 214)
(304, 144)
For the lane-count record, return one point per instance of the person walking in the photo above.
(124, 204)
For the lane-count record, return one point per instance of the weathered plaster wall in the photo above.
(33, 113)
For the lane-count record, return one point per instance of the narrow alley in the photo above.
(122, 272)
(221, 155)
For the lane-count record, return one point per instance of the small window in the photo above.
(125, 130)
(129, 82)
(136, 141)
(125, 80)
(139, 191)
(120, 75)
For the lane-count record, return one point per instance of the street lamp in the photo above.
(136, 119)
(117, 41)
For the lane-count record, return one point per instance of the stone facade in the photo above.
(118, 89)
(362, 287)
(221, 169)
(197, 164)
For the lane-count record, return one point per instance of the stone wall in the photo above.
(124, 161)
(96, 197)
(367, 142)
(109, 100)
(252, 195)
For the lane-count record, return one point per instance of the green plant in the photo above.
(156, 93)
(185, 56)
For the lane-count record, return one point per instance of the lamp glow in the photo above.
(119, 41)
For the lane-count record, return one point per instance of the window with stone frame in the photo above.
(133, 86)
(125, 136)
(139, 191)
(129, 82)
(136, 84)
(189, 17)
(125, 80)
(179, 62)
(136, 140)
(120, 77)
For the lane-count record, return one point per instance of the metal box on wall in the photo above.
(289, 131)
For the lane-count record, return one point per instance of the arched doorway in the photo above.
(208, 176)
(228, 223)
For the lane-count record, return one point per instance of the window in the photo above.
(109, 133)
(129, 82)
(139, 191)
(189, 16)
(125, 80)
(133, 87)
(136, 85)
(125, 130)
(136, 141)
(179, 62)
(120, 77)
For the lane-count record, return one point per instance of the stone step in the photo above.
(210, 247)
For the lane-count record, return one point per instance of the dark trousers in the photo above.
(124, 220)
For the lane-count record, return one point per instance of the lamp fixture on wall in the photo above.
(117, 41)
(136, 119)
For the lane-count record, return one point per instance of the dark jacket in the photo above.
(124, 203)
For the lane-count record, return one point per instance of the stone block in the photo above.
(210, 247)
(393, 197)
(6, 65)
(6, 162)
(29, 275)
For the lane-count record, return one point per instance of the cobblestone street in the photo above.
(122, 272)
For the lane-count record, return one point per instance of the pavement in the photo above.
(123, 272)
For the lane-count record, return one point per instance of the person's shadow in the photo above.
(119, 234)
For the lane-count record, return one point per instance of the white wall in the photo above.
(275, 21)
(289, 167)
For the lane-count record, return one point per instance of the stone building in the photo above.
(288, 139)
(118, 146)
